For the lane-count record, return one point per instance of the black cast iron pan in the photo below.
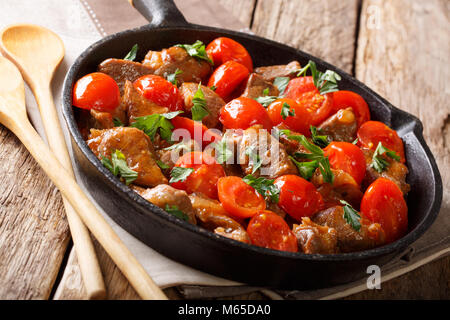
(203, 250)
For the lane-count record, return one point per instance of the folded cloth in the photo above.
(80, 23)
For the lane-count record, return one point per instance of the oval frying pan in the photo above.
(203, 250)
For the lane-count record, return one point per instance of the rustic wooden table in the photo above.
(399, 48)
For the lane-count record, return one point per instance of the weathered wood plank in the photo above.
(403, 53)
(323, 28)
(34, 232)
(240, 9)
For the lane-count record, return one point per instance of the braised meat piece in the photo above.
(213, 102)
(396, 171)
(291, 145)
(269, 73)
(348, 239)
(121, 70)
(167, 61)
(164, 195)
(170, 155)
(258, 143)
(344, 187)
(212, 216)
(136, 105)
(256, 85)
(341, 126)
(313, 238)
(136, 147)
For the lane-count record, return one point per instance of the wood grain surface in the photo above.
(409, 48)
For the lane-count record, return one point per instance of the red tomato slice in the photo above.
(96, 91)
(373, 132)
(160, 91)
(347, 157)
(344, 99)
(383, 203)
(269, 230)
(298, 197)
(238, 198)
(196, 130)
(306, 94)
(227, 78)
(242, 113)
(299, 122)
(224, 49)
(205, 176)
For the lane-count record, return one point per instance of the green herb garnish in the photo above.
(325, 82)
(320, 140)
(378, 162)
(199, 110)
(179, 174)
(222, 153)
(162, 165)
(213, 88)
(254, 158)
(157, 122)
(196, 50)
(176, 212)
(281, 83)
(286, 111)
(119, 167)
(117, 122)
(264, 186)
(266, 100)
(132, 54)
(351, 216)
(306, 168)
(172, 78)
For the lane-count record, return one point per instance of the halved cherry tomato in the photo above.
(197, 131)
(204, 177)
(96, 91)
(306, 94)
(299, 122)
(347, 157)
(298, 197)
(383, 203)
(242, 113)
(160, 91)
(269, 230)
(224, 49)
(343, 99)
(238, 198)
(227, 78)
(372, 132)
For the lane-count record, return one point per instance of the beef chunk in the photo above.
(121, 70)
(348, 239)
(269, 73)
(256, 85)
(341, 126)
(105, 120)
(396, 172)
(260, 144)
(170, 156)
(136, 105)
(213, 102)
(136, 147)
(212, 216)
(313, 238)
(167, 61)
(164, 195)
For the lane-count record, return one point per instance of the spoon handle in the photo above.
(86, 256)
(91, 217)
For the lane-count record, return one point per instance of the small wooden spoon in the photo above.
(37, 52)
(13, 115)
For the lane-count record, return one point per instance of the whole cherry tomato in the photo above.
(227, 77)
(160, 91)
(291, 114)
(347, 157)
(268, 230)
(383, 203)
(96, 91)
(373, 132)
(204, 177)
(196, 130)
(239, 199)
(298, 197)
(306, 94)
(344, 99)
(224, 49)
(242, 113)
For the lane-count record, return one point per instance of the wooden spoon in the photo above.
(37, 52)
(13, 115)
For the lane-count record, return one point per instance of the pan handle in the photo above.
(160, 13)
